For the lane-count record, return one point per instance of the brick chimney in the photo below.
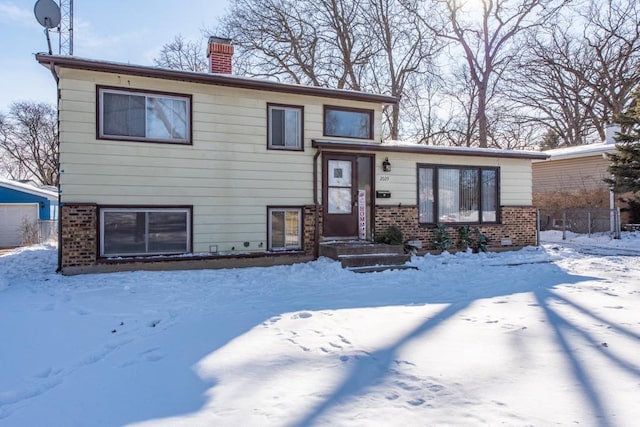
(220, 52)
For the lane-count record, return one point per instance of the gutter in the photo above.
(367, 146)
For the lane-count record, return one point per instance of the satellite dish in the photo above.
(47, 13)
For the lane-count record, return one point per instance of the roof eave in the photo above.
(208, 78)
(425, 149)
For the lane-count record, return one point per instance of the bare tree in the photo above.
(612, 35)
(296, 41)
(578, 75)
(486, 42)
(181, 54)
(422, 107)
(352, 44)
(553, 96)
(406, 53)
(29, 142)
(462, 93)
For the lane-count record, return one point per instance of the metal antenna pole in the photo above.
(66, 27)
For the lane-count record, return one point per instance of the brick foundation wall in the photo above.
(309, 236)
(518, 223)
(78, 235)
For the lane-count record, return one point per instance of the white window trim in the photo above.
(300, 112)
(186, 211)
(145, 94)
(298, 246)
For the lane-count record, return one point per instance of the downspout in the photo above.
(52, 68)
(316, 213)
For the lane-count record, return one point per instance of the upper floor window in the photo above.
(144, 116)
(285, 127)
(348, 122)
(457, 194)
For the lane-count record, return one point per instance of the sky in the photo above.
(542, 336)
(116, 30)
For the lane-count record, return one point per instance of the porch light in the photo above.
(386, 165)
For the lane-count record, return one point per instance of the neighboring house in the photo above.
(24, 209)
(573, 178)
(172, 169)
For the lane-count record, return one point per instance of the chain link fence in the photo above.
(580, 221)
(47, 231)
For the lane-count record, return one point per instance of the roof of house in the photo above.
(46, 191)
(579, 151)
(409, 147)
(54, 61)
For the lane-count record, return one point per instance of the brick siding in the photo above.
(518, 223)
(79, 228)
(78, 235)
(309, 235)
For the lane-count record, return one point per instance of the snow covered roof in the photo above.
(47, 191)
(580, 151)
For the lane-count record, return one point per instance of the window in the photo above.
(285, 229)
(457, 194)
(141, 116)
(144, 231)
(285, 127)
(348, 122)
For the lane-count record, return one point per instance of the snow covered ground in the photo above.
(543, 336)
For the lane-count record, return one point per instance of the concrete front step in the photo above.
(377, 268)
(364, 260)
(362, 256)
(335, 249)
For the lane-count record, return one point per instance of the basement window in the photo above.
(144, 231)
(285, 228)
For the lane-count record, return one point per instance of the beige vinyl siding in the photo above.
(227, 174)
(515, 176)
(583, 173)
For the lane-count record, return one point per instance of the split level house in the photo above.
(172, 169)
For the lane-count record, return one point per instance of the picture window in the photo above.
(449, 194)
(348, 122)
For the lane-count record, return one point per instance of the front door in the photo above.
(346, 195)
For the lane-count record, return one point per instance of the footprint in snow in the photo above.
(273, 320)
(344, 340)
(302, 315)
(392, 396)
(435, 388)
